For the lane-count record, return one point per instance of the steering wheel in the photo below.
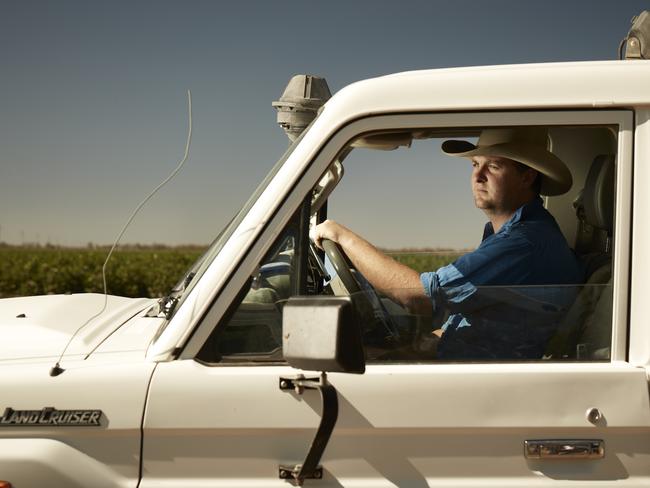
(380, 329)
(337, 258)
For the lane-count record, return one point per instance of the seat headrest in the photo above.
(595, 205)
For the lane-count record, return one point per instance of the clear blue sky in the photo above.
(93, 94)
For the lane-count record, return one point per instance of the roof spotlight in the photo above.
(300, 102)
(637, 42)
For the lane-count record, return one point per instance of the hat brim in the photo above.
(556, 177)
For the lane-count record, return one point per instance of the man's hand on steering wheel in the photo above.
(326, 237)
(373, 313)
(327, 229)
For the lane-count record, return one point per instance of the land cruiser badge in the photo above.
(50, 417)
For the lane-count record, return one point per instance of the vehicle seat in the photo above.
(595, 208)
(585, 331)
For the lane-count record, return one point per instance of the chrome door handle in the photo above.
(564, 449)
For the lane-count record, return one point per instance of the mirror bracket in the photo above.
(310, 468)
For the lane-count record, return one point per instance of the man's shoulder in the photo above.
(537, 223)
(539, 234)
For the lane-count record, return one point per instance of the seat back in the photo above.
(585, 330)
(595, 208)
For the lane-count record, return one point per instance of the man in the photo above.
(522, 246)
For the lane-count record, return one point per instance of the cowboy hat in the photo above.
(527, 145)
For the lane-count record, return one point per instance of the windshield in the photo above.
(193, 275)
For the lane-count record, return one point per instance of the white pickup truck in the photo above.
(199, 389)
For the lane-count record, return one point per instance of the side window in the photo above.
(252, 330)
(537, 289)
(500, 281)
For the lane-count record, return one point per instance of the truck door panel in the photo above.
(409, 425)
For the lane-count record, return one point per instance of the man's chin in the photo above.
(482, 204)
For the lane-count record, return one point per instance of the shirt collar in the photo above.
(524, 212)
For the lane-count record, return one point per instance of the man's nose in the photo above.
(479, 173)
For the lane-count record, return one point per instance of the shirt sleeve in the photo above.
(502, 259)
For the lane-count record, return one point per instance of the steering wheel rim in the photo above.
(337, 258)
(368, 301)
(383, 337)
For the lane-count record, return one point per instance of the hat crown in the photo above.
(534, 136)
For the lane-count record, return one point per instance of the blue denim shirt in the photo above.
(505, 299)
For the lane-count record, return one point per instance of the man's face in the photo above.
(498, 185)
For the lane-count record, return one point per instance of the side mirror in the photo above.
(322, 334)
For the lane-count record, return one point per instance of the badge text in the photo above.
(50, 416)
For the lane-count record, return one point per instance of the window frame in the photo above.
(315, 168)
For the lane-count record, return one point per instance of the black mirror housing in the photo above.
(322, 334)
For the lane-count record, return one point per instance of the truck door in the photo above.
(579, 412)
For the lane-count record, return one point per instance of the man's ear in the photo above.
(529, 176)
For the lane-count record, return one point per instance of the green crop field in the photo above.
(425, 260)
(131, 272)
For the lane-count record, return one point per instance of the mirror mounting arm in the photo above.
(310, 469)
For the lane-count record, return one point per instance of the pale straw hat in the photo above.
(527, 145)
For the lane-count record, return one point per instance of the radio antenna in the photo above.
(56, 370)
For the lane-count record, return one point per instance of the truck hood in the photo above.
(41, 326)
